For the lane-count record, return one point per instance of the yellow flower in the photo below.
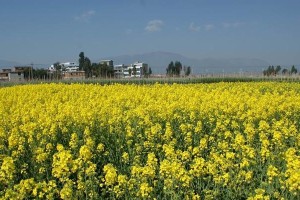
(62, 164)
(85, 153)
(100, 147)
(272, 172)
(125, 157)
(110, 174)
(7, 170)
(67, 190)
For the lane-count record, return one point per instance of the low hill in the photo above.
(158, 61)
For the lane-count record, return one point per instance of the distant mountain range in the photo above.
(7, 64)
(158, 61)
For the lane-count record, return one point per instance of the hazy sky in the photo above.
(46, 31)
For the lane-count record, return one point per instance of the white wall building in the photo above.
(120, 71)
(67, 66)
(137, 69)
(16, 76)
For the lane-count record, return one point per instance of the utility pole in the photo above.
(30, 71)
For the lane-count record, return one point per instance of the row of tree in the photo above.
(176, 69)
(94, 69)
(273, 71)
(102, 69)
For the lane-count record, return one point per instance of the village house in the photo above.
(15, 74)
(73, 75)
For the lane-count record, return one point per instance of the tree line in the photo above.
(176, 69)
(273, 71)
(94, 69)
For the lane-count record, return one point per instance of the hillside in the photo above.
(158, 61)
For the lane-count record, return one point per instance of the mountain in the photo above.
(7, 64)
(158, 61)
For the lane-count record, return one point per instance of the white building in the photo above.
(67, 66)
(51, 68)
(137, 69)
(71, 69)
(120, 71)
(16, 76)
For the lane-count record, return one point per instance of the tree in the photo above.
(170, 69)
(103, 68)
(81, 60)
(178, 68)
(294, 70)
(150, 71)
(284, 71)
(277, 70)
(134, 70)
(87, 66)
(57, 73)
(269, 71)
(130, 71)
(40, 73)
(145, 71)
(174, 69)
(95, 70)
(57, 66)
(110, 71)
(187, 71)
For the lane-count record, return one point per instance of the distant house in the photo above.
(21, 68)
(137, 69)
(4, 76)
(6, 70)
(73, 75)
(109, 63)
(16, 76)
(69, 66)
(120, 71)
(12, 75)
(66, 66)
(72, 69)
(26, 73)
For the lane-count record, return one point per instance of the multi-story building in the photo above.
(4, 74)
(22, 69)
(67, 66)
(137, 69)
(15, 74)
(120, 71)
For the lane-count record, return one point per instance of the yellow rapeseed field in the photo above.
(189, 141)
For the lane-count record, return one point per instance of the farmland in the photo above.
(145, 141)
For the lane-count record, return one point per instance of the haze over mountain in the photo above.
(158, 61)
(7, 64)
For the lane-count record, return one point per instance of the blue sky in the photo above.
(46, 31)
